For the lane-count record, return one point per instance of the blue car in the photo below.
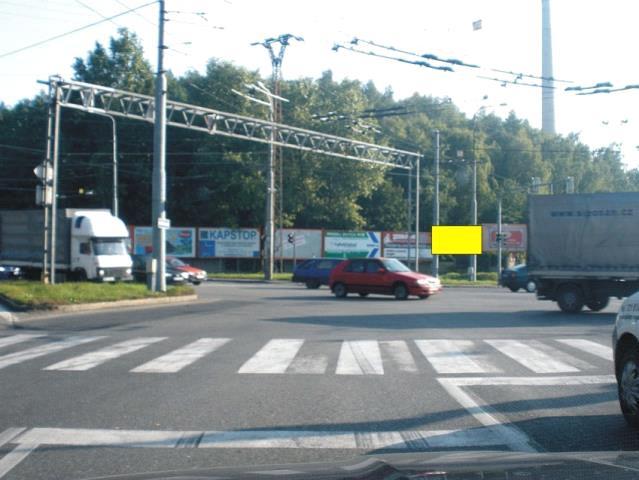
(516, 278)
(315, 272)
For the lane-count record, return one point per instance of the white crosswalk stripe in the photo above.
(399, 352)
(594, 348)
(41, 350)
(348, 357)
(274, 357)
(19, 338)
(455, 356)
(361, 357)
(90, 360)
(178, 359)
(532, 358)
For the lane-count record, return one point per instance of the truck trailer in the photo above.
(584, 248)
(90, 244)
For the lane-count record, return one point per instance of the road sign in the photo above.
(44, 171)
(44, 195)
(164, 223)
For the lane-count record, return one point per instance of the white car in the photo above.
(625, 344)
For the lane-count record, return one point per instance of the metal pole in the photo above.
(54, 192)
(498, 239)
(417, 166)
(115, 167)
(473, 258)
(409, 225)
(45, 240)
(436, 202)
(159, 162)
(270, 194)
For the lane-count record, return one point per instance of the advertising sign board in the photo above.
(352, 244)
(515, 237)
(401, 245)
(229, 242)
(180, 242)
(298, 243)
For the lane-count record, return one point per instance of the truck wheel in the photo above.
(363, 294)
(628, 385)
(598, 303)
(312, 284)
(531, 286)
(339, 289)
(513, 289)
(80, 275)
(400, 291)
(570, 299)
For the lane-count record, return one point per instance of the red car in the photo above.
(387, 276)
(195, 275)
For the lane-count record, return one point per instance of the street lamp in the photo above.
(473, 205)
(270, 192)
(115, 160)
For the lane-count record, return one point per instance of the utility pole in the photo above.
(159, 163)
(409, 225)
(54, 187)
(436, 202)
(499, 238)
(417, 168)
(269, 230)
(46, 187)
(276, 64)
(473, 207)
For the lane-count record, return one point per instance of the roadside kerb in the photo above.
(11, 319)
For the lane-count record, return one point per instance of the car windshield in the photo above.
(109, 246)
(393, 265)
(176, 262)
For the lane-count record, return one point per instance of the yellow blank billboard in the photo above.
(456, 240)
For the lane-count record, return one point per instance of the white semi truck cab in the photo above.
(90, 244)
(99, 247)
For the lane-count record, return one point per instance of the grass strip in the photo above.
(37, 295)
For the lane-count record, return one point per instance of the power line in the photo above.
(137, 14)
(55, 37)
(89, 7)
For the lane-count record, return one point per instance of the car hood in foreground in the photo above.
(442, 465)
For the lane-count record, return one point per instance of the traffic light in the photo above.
(291, 237)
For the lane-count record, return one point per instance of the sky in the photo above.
(593, 41)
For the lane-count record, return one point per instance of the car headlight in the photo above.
(422, 281)
(101, 273)
(185, 274)
(128, 271)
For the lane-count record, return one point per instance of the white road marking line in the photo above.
(311, 364)
(9, 434)
(303, 439)
(274, 357)
(400, 353)
(98, 357)
(588, 346)
(511, 435)
(455, 356)
(178, 359)
(361, 357)
(19, 338)
(535, 381)
(530, 357)
(39, 351)
(14, 457)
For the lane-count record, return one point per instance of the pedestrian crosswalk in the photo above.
(295, 356)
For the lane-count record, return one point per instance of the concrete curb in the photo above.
(246, 280)
(8, 318)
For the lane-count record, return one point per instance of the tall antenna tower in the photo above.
(547, 90)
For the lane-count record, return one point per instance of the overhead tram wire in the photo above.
(75, 30)
(90, 8)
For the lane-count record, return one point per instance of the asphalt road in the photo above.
(256, 374)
